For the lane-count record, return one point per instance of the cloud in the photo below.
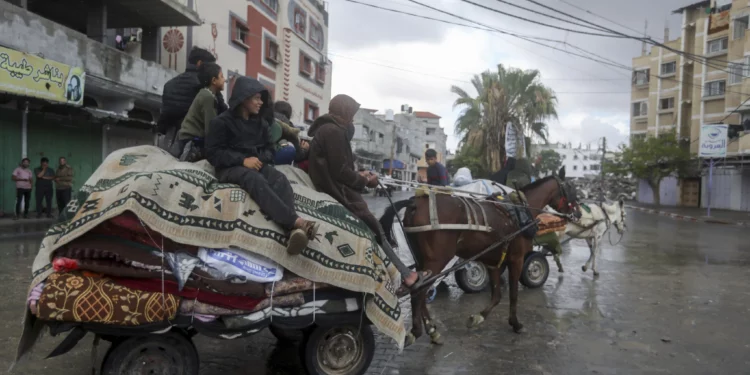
(385, 60)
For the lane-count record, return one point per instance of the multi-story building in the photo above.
(395, 143)
(679, 92)
(580, 162)
(282, 43)
(79, 94)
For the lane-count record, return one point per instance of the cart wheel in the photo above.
(535, 270)
(473, 278)
(431, 294)
(287, 335)
(169, 354)
(339, 350)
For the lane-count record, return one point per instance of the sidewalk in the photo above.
(695, 214)
(23, 227)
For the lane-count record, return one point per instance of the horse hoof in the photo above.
(584, 268)
(517, 328)
(475, 320)
(560, 270)
(436, 339)
(409, 339)
(596, 273)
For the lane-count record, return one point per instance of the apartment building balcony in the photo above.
(115, 80)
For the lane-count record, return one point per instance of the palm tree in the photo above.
(506, 96)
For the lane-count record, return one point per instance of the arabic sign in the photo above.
(29, 75)
(713, 141)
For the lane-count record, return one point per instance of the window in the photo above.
(666, 103)
(305, 65)
(735, 73)
(575, 167)
(240, 33)
(740, 25)
(718, 45)
(316, 35)
(429, 131)
(594, 167)
(584, 167)
(669, 68)
(300, 20)
(272, 51)
(311, 111)
(715, 88)
(575, 157)
(272, 4)
(585, 157)
(641, 77)
(640, 109)
(320, 75)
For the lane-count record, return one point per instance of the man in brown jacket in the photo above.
(64, 184)
(332, 172)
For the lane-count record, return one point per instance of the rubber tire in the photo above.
(185, 359)
(462, 279)
(287, 335)
(534, 256)
(309, 352)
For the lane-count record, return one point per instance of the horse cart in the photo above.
(152, 252)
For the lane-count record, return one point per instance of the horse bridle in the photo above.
(564, 201)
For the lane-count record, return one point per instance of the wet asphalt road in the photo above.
(673, 298)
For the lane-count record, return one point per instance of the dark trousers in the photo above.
(43, 194)
(23, 195)
(269, 188)
(357, 205)
(63, 198)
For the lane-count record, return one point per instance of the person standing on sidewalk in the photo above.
(44, 177)
(23, 179)
(64, 184)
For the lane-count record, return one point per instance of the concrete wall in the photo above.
(108, 70)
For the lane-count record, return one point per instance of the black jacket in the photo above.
(231, 138)
(178, 95)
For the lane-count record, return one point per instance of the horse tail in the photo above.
(386, 221)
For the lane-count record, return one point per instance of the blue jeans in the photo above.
(285, 155)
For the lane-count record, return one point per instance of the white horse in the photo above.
(594, 224)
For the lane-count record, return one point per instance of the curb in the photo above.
(688, 218)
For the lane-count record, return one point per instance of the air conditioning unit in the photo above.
(323, 60)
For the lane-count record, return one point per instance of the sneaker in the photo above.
(298, 241)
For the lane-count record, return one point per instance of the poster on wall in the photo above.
(30, 75)
(713, 141)
(511, 140)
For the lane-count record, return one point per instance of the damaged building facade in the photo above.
(67, 91)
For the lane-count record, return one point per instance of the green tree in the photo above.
(507, 95)
(652, 159)
(548, 162)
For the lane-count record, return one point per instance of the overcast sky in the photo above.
(384, 59)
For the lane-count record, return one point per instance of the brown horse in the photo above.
(434, 249)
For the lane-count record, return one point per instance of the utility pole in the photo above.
(601, 169)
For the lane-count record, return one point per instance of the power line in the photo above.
(602, 17)
(490, 28)
(537, 22)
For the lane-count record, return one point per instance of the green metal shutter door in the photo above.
(80, 142)
(10, 156)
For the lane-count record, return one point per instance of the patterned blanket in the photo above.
(185, 203)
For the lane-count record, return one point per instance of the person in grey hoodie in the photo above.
(239, 146)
